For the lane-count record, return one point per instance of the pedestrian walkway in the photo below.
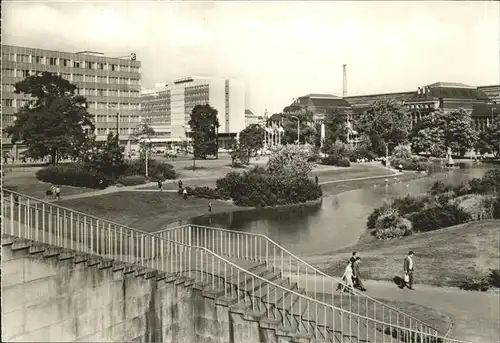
(475, 315)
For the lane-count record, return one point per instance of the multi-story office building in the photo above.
(251, 118)
(110, 84)
(168, 107)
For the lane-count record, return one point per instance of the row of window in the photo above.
(105, 131)
(55, 61)
(76, 77)
(106, 92)
(18, 103)
(112, 119)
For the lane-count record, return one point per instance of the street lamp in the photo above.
(298, 128)
(146, 140)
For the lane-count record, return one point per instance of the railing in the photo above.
(43, 222)
(260, 248)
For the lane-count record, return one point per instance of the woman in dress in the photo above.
(347, 278)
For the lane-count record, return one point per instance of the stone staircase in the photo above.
(247, 309)
(244, 279)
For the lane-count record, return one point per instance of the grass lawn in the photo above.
(147, 211)
(25, 182)
(442, 257)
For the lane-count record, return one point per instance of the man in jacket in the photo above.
(408, 269)
(357, 276)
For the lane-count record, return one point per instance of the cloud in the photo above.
(281, 50)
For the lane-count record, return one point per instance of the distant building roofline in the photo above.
(88, 52)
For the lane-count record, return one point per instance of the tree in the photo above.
(107, 158)
(489, 139)
(428, 134)
(55, 122)
(143, 133)
(289, 162)
(386, 124)
(204, 126)
(336, 126)
(307, 127)
(251, 139)
(460, 135)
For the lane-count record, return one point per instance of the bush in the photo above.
(75, 174)
(336, 161)
(477, 206)
(372, 218)
(496, 208)
(410, 204)
(437, 216)
(362, 152)
(391, 225)
(203, 192)
(227, 185)
(132, 180)
(259, 188)
(495, 277)
(157, 171)
(414, 163)
(475, 283)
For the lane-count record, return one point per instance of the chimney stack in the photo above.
(344, 85)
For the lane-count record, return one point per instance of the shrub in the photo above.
(204, 192)
(477, 206)
(391, 225)
(495, 277)
(475, 283)
(132, 180)
(414, 163)
(75, 174)
(157, 171)
(336, 161)
(437, 216)
(496, 208)
(410, 204)
(361, 152)
(372, 218)
(227, 185)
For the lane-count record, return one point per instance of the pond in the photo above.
(337, 222)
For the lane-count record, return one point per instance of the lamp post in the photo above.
(298, 128)
(146, 140)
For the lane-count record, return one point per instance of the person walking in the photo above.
(58, 193)
(408, 269)
(180, 184)
(357, 276)
(353, 257)
(347, 278)
(185, 194)
(160, 185)
(316, 179)
(209, 207)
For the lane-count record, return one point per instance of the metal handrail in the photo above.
(109, 243)
(307, 265)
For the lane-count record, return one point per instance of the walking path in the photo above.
(475, 315)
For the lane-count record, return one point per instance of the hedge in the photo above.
(157, 171)
(74, 174)
(437, 217)
(201, 192)
(415, 163)
(132, 180)
(336, 161)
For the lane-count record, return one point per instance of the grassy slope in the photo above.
(148, 211)
(442, 257)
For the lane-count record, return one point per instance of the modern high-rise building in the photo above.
(110, 84)
(168, 107)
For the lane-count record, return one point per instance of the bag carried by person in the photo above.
(406, 278)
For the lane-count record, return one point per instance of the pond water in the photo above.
(337, 222)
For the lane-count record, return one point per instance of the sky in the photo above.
(280, 50)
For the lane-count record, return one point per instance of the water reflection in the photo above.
(337, 222)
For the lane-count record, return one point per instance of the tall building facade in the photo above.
(110, 84)
(168, 107)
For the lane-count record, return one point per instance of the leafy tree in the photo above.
(489, 139)
(204, 125)
(336, 148)
(307, 127)
(251, 139)
(401, 152)
(428, 134)
(460, 135)
(336, 126)
(143, 133)
(385, 123)
(55, 122)
(106, 158)
(289, 162)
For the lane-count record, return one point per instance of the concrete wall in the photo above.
(50, 299)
